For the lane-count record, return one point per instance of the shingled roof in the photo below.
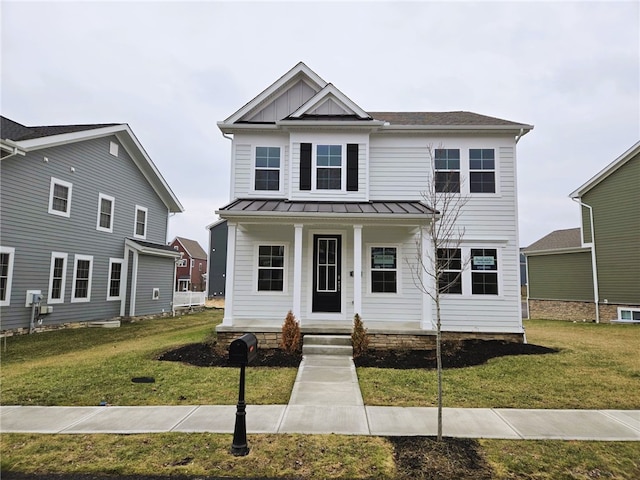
(192, 247)
(441, 118)
(10, 130)
(557, 240)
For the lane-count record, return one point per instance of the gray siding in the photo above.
(27, 226)
(154, 272)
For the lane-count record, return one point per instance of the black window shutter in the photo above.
(352, 167)
(305, 166)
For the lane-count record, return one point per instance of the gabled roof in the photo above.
(21, 139)
(568, 239)
(150, 248)
(192, 247)
(608, 170)
(331, 99)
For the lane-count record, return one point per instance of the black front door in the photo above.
(326, 273)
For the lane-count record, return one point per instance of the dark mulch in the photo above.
(454, 355)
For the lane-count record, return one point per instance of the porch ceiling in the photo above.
(392, 209)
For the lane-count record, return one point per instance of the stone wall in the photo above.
(572, 311)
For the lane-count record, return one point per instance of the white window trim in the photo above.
(462, 272)
(12, 253)
(398, 269)
(343, 168)
(111, 262)
(468, 170)
(630, 309)
(54, 256)
(102, 196)
(54, 182)
(77, 258)
(135, 222)
(182, 262)
(285, 267)
(468, 272)
(267, 193)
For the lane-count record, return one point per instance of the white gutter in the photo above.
(594, 266)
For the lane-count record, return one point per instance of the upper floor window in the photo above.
(60, 197)
(105, 213)
(82, 271)
(482, 175)
(450, 270)
(384, 269)
(267, 173)
(484, 271)
(7, 255)
(447, 170)
(271, 268)
(140, 227)
(182, 262)
(329, 167)
(57, 277)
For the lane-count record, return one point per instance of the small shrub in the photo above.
(359, 338)
(291, 336)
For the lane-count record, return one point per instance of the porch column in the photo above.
(230, 273)
(357, 269)
(297, 271)
(427, 279)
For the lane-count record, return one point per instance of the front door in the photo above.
(326, 273)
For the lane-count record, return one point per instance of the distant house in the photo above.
(83, 226)
(217, 259)
(592, 272)
(327, 210)
(191, 269)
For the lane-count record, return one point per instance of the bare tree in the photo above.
(439, 263)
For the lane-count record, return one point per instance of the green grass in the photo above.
(87, 366)
(597, 367)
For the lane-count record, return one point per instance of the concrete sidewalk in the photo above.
(326, 398)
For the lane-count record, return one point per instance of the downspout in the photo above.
(594, 266)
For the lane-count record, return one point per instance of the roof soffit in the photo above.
(276, 89)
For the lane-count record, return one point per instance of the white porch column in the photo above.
(427, 279)
(357, 269)
(230, 273)
(297, 272)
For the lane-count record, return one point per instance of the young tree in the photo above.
(439, 263)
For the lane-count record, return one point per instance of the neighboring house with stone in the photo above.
(83, 226)
(591, 272)
(191, 269)
(327, 209)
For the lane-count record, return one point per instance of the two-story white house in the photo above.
(328, 213)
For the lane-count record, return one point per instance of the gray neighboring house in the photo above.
(83, 226)
(217, 268)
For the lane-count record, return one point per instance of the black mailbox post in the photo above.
(242, 351)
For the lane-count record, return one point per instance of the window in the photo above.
(105, 213)
(271, 268)
(57, 277)
(482, 170)
(329, 167)
(450, 269)
(182, 262)
(484, 271)
(267, 173)
(7, 255)
(199, 266)
(115, 278)
(140, 228)
(447, 170)
(384, 269)
(629, 314)
(82, 271)
(60, 197)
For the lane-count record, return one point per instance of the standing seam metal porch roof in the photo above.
(281, 206)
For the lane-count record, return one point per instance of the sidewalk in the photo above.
(326, 399)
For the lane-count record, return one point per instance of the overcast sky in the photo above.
(171, 70)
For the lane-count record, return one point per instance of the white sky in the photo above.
(171, 70)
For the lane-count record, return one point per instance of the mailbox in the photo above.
(243, 350)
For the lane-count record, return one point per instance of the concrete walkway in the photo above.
(326, 398)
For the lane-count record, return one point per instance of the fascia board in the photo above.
(606, 171)
(515, 129)
(214, 224)
(336, 217)
(151, 251)
(11, 146)
(299, 69)
(65, 138)
(330, 91)
(239, 127)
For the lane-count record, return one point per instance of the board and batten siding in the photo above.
(154, 272)
(563, 276)
(616, 212)
(27, 226)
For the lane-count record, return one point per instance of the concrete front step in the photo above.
(346, 350)
(327, 340)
